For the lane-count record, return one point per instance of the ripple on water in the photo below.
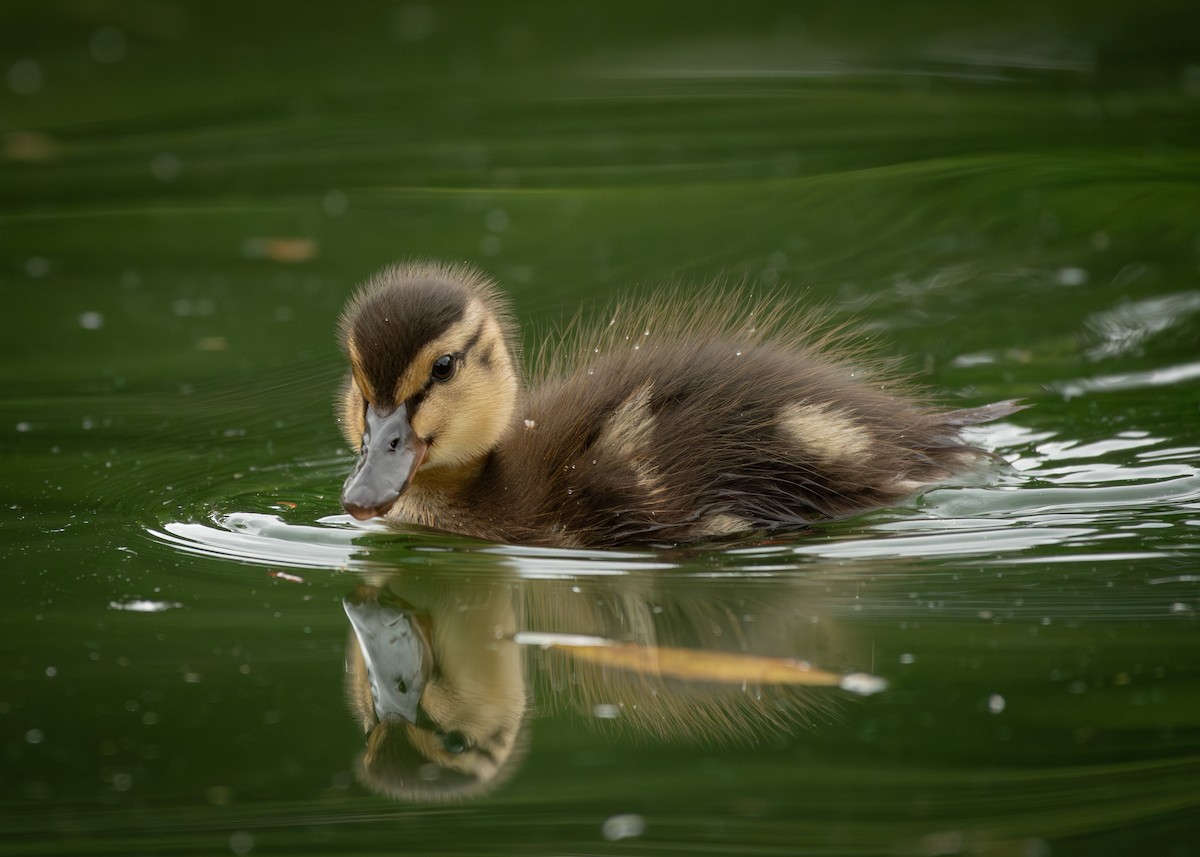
(1062, 501)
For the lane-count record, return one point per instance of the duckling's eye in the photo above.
(454, 743)
(443, 368)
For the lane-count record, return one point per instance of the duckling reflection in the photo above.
(438, 678)
(440, 691)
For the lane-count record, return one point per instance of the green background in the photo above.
(1007, 196)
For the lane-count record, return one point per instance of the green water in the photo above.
(1008, 197)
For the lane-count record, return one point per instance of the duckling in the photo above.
(679, 420)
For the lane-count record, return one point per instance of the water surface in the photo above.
(1004, 198)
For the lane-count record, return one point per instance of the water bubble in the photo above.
(91, 320)
(496, 220)
(335, 203)
(907, 658)
(166, 167)
(995, 703)
(108, 45)
(241, 842)
(34, 736)
(37, 266)
(415, 22)
(491, 245)
(1071, 276)
(218, 795)
(625, 826)
(25, 77)
(605, 711)
(1190, 80)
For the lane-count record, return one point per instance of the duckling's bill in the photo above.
(390, 455)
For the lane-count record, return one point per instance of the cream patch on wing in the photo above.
(825, 431)
(627, 436)
(720, 525)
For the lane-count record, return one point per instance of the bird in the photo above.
(687, 417)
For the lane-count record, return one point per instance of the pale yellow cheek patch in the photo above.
(825, 431)
(353, 424)
(468, 415)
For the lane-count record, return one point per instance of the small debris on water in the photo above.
(288, 250)
(29, 147)
(864, 684)
(624, 826)
(546, 638)
(144, 606)
(1071, 276)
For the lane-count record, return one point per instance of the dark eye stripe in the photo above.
(416, 398)
(414, 401)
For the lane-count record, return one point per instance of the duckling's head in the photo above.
(433, 382)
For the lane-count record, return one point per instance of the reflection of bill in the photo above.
(441, 689)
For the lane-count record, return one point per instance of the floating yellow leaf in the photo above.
(700, 665)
